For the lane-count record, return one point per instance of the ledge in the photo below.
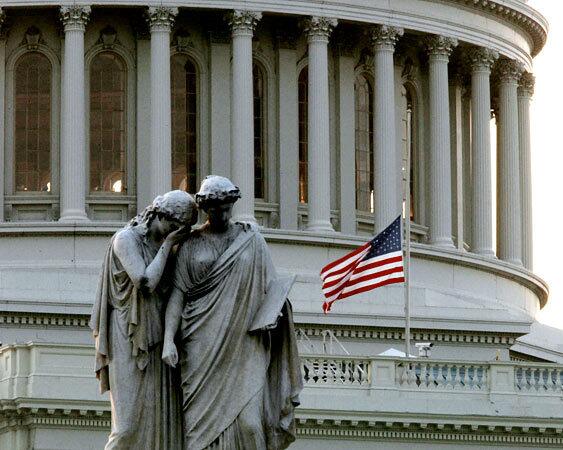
(326, 240)
(517, 13)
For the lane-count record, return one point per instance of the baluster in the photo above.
(448, 379)
(415, 374)
(558, 385)
(465, 378)
(484, 378)
(432, 379)
(518, 378)
(533, 380)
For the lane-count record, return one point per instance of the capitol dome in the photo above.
(311, 109)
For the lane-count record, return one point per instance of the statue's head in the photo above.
(174, 209)
(216, 197)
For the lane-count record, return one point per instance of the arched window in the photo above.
(259, 87)
(108, 110)
(412, 148)
(184, 122)
(303, 81)
(32, 152)
(363, 93)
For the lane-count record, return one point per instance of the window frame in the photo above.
(16, 204)
(103, 205)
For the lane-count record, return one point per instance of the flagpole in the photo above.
(407, 244)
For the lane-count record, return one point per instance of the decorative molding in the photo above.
(32, 38)
(182, 40)
(438, 45)
(75, 17)
(481, 58)
(42, 319)
(508, 70)
(108, 37)
(396, 334)
(426, 431)
(385, 36)
(243, 22)
(161, 18)
(526, 84)
(13, 414)
(319, 28)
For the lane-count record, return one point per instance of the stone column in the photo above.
(143, 117)
(160, 21)
(73, 122)
(346, 131)
(288, 128)
(509, 220)
(525, 93)
(481, 60)
(220, 101)
(242, 25)
(318, 30)
(440, 221)
(466, 166)
(456, 86)
(386, 172)
(3, 35)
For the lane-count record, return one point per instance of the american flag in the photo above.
(377, 263)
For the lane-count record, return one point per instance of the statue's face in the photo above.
(219, 214)
(167, 225)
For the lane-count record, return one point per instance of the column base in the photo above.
(515, 262)
(486, 252)
(74, 215)
(320, 226)
(444, 242)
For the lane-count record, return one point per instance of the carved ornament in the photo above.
(75, 17)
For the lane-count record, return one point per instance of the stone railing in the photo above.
(426, 375)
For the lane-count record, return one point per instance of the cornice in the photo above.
(466, 430)
(397, 334)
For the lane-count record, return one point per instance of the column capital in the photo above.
(438, 45)
(4, 25)
(526, 85)
(243, 22)
(481, 58)
(509, 70)
(161, 18)
(75, 17)
(385, 36)
(319, 28)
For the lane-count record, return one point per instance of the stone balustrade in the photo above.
(421, 374)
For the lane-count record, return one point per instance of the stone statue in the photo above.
(240, 373)
(127, 322)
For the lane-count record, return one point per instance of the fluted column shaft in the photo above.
(160, 20)
(481, 61)
(73, 138)
(385, 170)
(242, 112)
(318, 30)
(525, 93)
(509, 237)
(3, 33)
(439, 49)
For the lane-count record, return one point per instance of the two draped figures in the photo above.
(194, 333)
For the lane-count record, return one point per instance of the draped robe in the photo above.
(240, 388)
(127, 325)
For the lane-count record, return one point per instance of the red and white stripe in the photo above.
(352, 274)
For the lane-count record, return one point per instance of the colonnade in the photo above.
(514, 190)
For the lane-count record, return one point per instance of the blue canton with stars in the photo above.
(388, 241)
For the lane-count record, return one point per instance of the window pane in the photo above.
(108, 81)
(303, 105)
(184, 129)
(364, 143)
(259, 127)
(33, 123)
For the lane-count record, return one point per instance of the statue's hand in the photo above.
(170, 353)
(180, 235)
